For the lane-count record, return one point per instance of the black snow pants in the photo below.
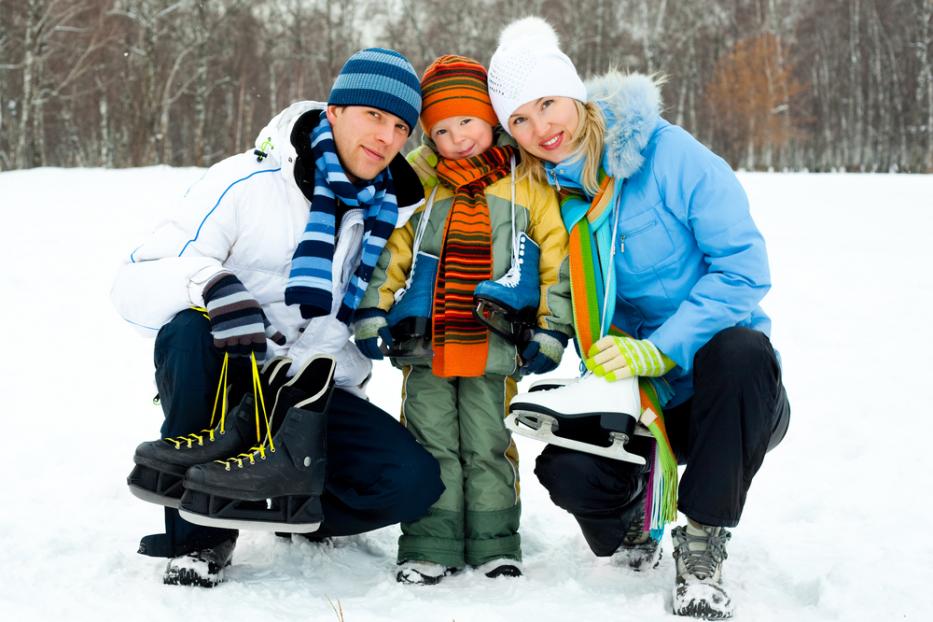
(739, 411)
(377, 474)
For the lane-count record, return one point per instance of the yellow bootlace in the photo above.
(262, 446)
(190, 439)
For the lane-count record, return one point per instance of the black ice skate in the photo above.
(204, 568)
(590, 415)
(161, 465)
(277, 485)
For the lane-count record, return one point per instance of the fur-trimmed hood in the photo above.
(631, 104)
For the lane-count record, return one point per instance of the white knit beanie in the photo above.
(528, 64)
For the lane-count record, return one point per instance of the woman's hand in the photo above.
(615, 358)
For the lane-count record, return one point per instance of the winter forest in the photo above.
(769, 84)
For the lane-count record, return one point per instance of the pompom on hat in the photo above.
(528, 64)
(454, 86)
(382, 79)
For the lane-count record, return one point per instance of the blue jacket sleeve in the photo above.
(703, 193)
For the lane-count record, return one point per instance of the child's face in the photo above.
(461, 137)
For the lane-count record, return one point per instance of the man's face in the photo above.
(366, 138)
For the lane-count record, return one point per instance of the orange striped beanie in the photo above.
(455, 86)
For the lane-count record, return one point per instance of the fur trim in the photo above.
(529, 28)
(634, 106)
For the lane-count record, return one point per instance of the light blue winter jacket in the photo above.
(689, 261)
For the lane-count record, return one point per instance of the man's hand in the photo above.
(615, 358)
(238, 324)
(424, 162)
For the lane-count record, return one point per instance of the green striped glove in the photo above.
(614, 358)
(424, 162)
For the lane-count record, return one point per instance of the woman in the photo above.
(680, 268)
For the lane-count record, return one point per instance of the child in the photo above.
(454, 401)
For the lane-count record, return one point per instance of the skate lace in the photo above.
(265, 444)
(188, 440)
(703, 563)
(514, 275)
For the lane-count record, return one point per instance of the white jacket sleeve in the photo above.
(167, 273)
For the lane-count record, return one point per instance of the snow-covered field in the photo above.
(836, 525)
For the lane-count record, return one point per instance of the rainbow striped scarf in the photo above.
(585, 221)
(460, 341)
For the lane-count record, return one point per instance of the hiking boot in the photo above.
(501, 567)
(204, 568)
(414, 572)
(638, 551)
(698, 591)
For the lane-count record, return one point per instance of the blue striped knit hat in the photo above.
(380, 78)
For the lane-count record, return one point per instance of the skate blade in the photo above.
(541, 428)
(493, 316)
(231, 523)
(151, 497)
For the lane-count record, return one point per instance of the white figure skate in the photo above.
(588, 414)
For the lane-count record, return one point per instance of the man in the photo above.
(275, 247)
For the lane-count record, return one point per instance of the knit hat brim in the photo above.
(380, 78)
(455, 86)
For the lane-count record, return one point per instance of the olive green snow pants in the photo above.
(460, 422)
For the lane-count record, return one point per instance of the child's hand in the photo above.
(615, 358)
(424, 162)
(544, 351)
(368, 330)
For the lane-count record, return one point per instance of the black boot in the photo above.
(271, 489)
(204, 568)
(161, 465)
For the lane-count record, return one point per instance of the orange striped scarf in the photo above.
(461, 342)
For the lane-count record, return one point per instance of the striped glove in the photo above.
(615, 358)
(424, 162)
(237, 322)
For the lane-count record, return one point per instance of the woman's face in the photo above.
(545, 127)
(461, 137)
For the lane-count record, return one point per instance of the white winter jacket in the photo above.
(246, 217)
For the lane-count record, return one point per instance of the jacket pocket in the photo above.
(644, 241)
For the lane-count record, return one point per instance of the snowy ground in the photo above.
(834, 529)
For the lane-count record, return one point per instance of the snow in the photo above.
(833, 528)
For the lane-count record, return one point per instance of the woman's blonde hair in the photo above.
(588, 144)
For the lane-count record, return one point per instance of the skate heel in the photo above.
(156, 486)
(623, 423)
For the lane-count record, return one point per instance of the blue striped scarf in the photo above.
(310, 281)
